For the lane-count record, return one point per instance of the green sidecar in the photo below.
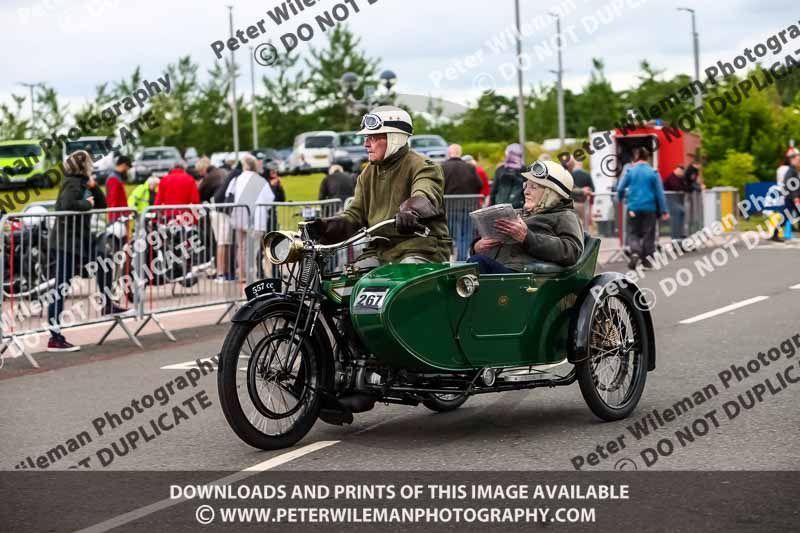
(311, 346)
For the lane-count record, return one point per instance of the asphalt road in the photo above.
(542, 429)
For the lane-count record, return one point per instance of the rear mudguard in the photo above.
(256, 310)
(586, 303)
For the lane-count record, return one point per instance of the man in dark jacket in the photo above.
(546, 230)
(274, 180)
(211, 178)
(337, 185)
(675, 188)
(74, 244)
(459, 176)
(508, 181)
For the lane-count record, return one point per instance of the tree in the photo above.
(12, 125)
(326, 67)
(494, 118)
(598, 105)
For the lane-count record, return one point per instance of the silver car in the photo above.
(155, 161)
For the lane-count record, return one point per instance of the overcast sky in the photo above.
(74, 45)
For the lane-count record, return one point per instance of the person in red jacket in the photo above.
(481, 174)
(115, 187)
(177, 188)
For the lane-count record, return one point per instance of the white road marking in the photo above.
(166, 503)
(188, 365)
(795, 287)
(723, 310)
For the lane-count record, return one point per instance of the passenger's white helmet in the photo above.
(386, 119)
(551, 175)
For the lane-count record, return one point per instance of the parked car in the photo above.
(350, 151)
(431, 146)
(155, 161)
(21, 161)
(313, 152)
(191, 156)
(271, 155)
(218, 158)
(97, 146)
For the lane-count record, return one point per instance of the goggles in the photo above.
(539, 171)
(373, 122)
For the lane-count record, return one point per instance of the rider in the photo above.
(399, 184)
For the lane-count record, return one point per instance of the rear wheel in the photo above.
(442, 403)
(613, 376)
(268, 382)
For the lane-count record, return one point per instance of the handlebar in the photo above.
(367, 233)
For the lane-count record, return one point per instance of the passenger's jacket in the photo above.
(380, 190)
(507, 187)
(554, 236)
(73, 233)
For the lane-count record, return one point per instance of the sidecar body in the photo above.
(415, 317)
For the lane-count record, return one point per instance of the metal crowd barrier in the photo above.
(61, 269)
(462, 229)
(191, 256)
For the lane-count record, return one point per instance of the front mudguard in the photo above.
(255, 311)
(581, 323)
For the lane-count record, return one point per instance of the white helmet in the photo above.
(386, 119)
(551, 175)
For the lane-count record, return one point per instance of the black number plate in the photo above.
(260, 288)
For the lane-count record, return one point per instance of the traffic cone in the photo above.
(787, 230)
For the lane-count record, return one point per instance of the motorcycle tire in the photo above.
(309, 377)
(443, 403)
(613, 376)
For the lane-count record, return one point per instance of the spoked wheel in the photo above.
(268, 382)
(441, 403)
(612, 378)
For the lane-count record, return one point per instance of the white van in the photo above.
(313, 152)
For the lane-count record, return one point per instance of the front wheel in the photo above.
(612, 377)
(442, 403)
(268, 382)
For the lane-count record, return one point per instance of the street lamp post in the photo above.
(253, 89)
(698, 98)
(233, 90)
(520, 95)
(31, 86)
(562, 128)
(350, 82)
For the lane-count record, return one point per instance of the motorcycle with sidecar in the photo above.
(315, 345)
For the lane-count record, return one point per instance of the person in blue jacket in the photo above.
(641, 186)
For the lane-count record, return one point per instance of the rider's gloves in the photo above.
(330, 230)
(411, 211)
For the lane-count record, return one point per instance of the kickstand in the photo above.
(15, 341)
(119, 322)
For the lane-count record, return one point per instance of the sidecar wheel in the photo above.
(613, 376)
(442, 403)
(269, 401)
